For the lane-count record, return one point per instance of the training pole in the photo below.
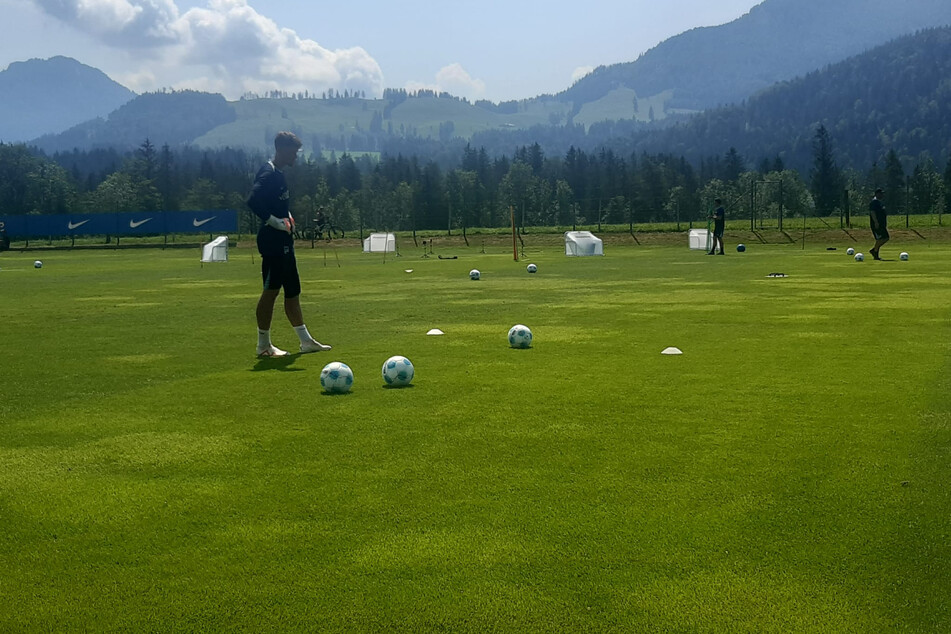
(514, 241)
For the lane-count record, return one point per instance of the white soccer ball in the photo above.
(859, 257)
(520, 336)
(850, 251)
(398, 371)
(531, 268)
(903, 256)
(336, 377)
(474, 274)
(37, 265)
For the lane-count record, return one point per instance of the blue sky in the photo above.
(488, 49)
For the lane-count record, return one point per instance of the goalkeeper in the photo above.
(270, 201)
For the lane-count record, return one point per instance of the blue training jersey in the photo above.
(269, 197)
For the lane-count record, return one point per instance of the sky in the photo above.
(490, 49)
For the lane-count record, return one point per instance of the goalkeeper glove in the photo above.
(281, 224)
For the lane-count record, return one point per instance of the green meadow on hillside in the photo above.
(258, 119)
(788, 472)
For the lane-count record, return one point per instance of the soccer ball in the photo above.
(520, 336)
(850, 251)
(474, 274)
(398, 371)
(37, 265)
(741, 248)
(531, 268)
(336, 377)
(903, 256)
(859, 257)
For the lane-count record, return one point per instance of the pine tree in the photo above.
(733, 165)
(894, 183)
(825, 176)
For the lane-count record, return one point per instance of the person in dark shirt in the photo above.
(320, 222)
(270, 201)
(719, 221)
(879, 222)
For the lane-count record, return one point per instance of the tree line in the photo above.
(404, 193)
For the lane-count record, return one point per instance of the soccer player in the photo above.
(719, 220)
(879, 221)
(270, 201)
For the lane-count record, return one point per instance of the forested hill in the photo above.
(173, 117)
(777, 40)
(895, 97)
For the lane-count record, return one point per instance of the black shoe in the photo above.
(711, 253)
(721, 253)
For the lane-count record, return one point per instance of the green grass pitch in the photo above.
(788, 473)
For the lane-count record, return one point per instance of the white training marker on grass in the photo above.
(408, 271)
(672, 350)
(435, 331)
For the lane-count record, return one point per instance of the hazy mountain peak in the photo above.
(775, 41)
(41, 96)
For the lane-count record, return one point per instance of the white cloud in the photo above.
(226, 46)
(453, 79)
(580, 72)
(122, 23)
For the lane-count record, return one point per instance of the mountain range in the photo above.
(46, 96)
(775, 42)
(895, 97)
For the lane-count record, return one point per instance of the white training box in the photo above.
(583, 243)
(379, 243)
(216, 250)
(700, 239)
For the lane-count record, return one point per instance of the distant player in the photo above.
(320, 222)
(270, 201)
(879, 221)
(719, 221)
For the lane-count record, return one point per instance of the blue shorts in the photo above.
(280, 271)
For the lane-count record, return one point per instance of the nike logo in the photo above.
(197, 223)
(133, 224)
(73, 225)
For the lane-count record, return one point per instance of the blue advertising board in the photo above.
(214, 221)
(85, 224)
(125, 223)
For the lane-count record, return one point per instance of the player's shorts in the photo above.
(280, 271)
(718, 232)
(881, 233)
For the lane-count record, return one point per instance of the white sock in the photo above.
(302, 333)
(264, 339)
